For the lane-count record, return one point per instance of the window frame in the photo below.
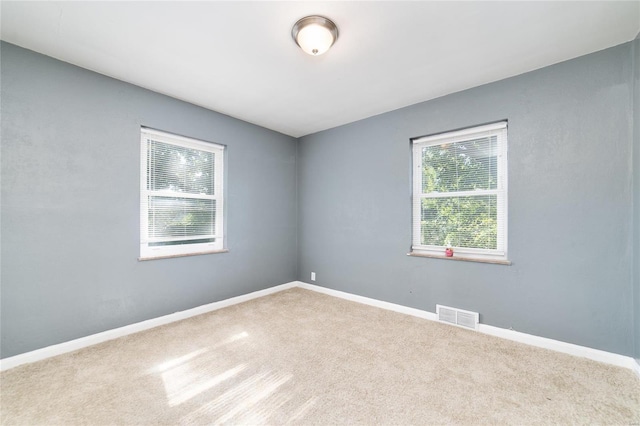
(148, 252)
(498, 255)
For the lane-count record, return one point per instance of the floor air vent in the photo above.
(458, 317)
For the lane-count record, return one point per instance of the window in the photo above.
(460, 193)
(181, 195)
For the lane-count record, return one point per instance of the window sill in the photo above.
(170, 256)
(465, 259)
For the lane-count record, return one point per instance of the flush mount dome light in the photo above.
(314, 34)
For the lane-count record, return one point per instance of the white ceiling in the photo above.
(238, 58)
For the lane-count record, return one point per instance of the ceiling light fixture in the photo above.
(314, 34)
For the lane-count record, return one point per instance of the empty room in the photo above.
(288, 212)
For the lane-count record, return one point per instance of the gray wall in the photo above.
(636, 196)
(70, 205)
(570, 205)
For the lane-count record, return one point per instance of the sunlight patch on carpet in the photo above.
(177, 361)
(239, 399)
(185, 393)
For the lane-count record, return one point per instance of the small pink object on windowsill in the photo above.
(448, 252)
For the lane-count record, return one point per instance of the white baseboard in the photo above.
(368, 301)
(559, 346)
(636, 368)
(74, 345)
(542, 342)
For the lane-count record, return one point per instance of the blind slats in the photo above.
(180, 217)
(180, 169)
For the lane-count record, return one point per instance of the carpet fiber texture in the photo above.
(300, 357)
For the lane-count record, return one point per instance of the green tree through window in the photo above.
(187, 171)
(460, 221)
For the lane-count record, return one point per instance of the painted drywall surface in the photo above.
(70, 205)
(570, 205)
(636, 195)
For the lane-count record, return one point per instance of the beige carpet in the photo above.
(299, 357)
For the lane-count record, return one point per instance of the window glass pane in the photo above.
(181, 217)
(460, 166)
(180, 169)
(469, 222)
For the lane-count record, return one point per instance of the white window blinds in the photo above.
(460, 192)
(181, 197)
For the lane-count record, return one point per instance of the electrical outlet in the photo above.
(313, 276)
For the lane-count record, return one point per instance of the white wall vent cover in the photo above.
(458, 317)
